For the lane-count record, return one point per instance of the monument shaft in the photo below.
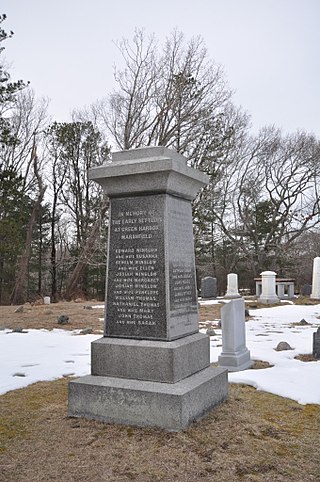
(151, 288)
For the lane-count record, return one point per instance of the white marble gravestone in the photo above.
(152, 367)
(232, 286)
(315, 294)
(268, 290)
(235, 355)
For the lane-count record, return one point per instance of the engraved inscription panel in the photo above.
(182, 279)
(135, 280)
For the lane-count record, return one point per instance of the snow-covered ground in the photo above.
(288, 377)
(38, 355)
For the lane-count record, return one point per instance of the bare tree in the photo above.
(269, 196)
(174, 96)
(86, 251)
(19, 290)
(28, 115)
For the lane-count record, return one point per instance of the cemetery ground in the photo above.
(254, 436)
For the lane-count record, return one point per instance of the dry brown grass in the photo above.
(45, 316)
(254, 436)
(210, 312)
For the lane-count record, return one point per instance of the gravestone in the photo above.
(152, 366)
(208, 287)
(315, 294)
(235, 356)
(306, 290)
(232, 286)
(268, 289)
(316, 344)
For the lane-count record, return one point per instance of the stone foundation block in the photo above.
(150, 360)
(143, 403)
(236, 361)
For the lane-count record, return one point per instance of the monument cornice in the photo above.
(149, 170)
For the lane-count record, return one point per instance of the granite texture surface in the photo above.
(149, 170)
(143, 403)
(157, 361)
(151, 277)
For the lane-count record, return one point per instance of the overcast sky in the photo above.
(269, 50)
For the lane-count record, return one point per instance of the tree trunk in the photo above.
(75, 276)
(18, 295)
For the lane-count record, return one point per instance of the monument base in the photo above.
(268, 300)
(169, 406)
(148, 360)
(235, 362)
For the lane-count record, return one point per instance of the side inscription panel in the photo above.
(182, 275)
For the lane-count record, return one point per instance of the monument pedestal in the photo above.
(236, 361)
(152, 367)
(157, 361)
(170, 406)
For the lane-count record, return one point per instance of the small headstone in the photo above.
(282, 346)
(19, 309)
(63, 319)
(306, 290)
(316, 279)
(316, 344)
(232, 289)
(208, 287)
(268, 293)
(46, 300)
(235, 355)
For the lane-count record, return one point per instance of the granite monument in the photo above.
(152, 366)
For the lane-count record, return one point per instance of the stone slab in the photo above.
(208, 287)
(143, 403)
(316, 344)
(157, 361)
(306, 290)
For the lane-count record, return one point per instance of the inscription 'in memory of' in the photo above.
(134, 271)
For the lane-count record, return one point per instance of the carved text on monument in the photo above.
(134, 284)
